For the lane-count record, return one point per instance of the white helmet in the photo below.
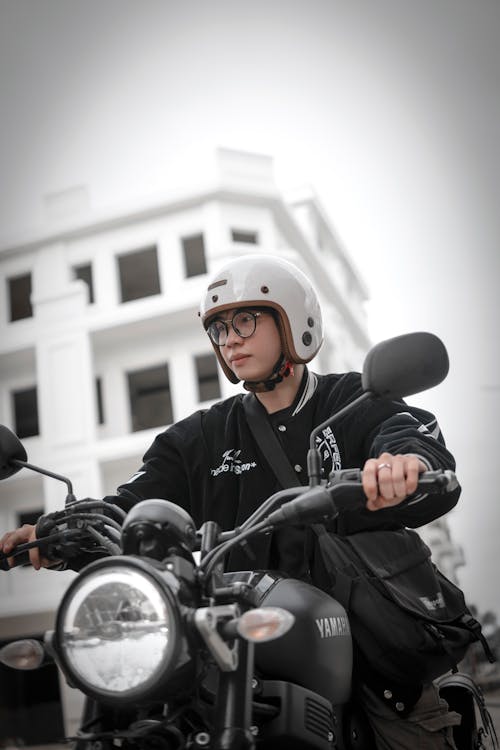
(268, 281)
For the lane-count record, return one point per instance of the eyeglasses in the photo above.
(243, 324)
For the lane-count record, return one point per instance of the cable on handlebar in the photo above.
(208, 563)
(112, 547)
(268, 504)
(96, 517)
(88, 504)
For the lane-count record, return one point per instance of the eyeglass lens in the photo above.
(242, 322)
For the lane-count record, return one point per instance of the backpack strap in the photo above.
(269, 443)
(282, 468)
(474, 626)
(277, 459)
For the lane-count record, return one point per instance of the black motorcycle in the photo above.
(173, 653)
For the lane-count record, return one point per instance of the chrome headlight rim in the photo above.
(150, 687)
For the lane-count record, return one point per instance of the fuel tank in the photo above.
(317, 651)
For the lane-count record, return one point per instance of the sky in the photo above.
(390, 109)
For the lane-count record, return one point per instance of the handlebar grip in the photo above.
(434, 481)
(438, 481)
(21, 559)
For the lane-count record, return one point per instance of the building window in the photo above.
(250, 238)
(208, 377)
(20, 297)
(150, 402)
(29, 516)
(84, 272)
(194, 255)
(139, 275)
(25, 412)
(99, 400)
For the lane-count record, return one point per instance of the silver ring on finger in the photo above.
(384, 466)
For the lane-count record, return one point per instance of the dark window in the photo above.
(25, 412)
(100, 403)
(150, 401)
(194, 255)
(29, 516)
(251, 238)
(30, 706)
(20, 297)
(208, 377)
(84, 272)
(139, 275)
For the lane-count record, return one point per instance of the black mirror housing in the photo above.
(405, 365)
(11, 448)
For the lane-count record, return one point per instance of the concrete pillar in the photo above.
(66, 386)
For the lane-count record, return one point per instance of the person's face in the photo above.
(253, 357)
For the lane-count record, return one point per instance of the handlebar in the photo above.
(82, 524)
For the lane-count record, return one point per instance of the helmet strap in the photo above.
(282, 369)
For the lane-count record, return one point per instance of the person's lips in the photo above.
(238, 358)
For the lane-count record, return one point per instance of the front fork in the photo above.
(233, 713)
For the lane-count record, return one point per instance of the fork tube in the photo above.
(233, 713)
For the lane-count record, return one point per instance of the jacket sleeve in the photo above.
(394, 427)
(417, 431)
(167, 471)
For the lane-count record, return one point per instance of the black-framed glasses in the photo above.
(243, 324)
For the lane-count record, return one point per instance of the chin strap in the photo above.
(282, 369)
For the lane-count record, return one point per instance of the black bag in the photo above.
(409, 621)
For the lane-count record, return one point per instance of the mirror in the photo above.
(405, 365)
(11, 449)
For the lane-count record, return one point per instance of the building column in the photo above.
(65, 377)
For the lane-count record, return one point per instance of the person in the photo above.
(264, 321)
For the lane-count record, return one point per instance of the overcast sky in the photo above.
(390, 109)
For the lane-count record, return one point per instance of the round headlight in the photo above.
(117, 630)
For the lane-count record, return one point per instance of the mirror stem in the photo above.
(25, 465)
(313, 455)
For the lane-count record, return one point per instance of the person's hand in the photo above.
(26, 533)
(388, 479)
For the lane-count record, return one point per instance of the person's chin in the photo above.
(244, 369)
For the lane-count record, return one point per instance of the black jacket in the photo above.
(210, 464)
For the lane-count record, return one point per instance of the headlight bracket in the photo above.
(207, 621)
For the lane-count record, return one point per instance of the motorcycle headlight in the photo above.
(117, 630)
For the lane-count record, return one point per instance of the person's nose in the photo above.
(232, 337)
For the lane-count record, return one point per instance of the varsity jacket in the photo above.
(211, 465)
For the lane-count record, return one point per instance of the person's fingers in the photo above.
(388, 480)
(398, 473)
(35, 558)
(385, 481)
(12, 539)
(414, 467)
(369, 480)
